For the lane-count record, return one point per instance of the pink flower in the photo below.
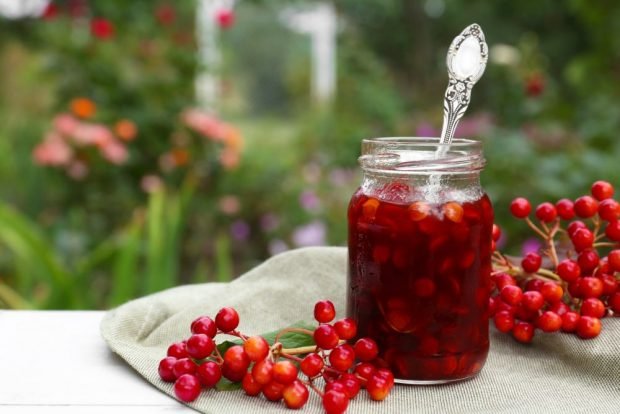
(309, 201)
(204, 123)
(93, 134)
(229, 159)
(474, 125)
(77, 170)
(277, 246)
(151, 183)
(229, 204)
(53, 150)
(66, 124)
(311, 234)
(115, 152)
(425, 129)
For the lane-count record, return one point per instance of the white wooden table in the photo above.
(57, 362)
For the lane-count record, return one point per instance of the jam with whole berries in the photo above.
(420, 257)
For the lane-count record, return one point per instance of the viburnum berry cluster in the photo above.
(274, 371)
(578, 282)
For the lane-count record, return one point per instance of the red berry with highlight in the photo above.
(325, 337)
(582, 239)
(613, 258)
(204, 325)
(342, 357)
(523, 332)
(602, 190)
(568, 270)
(531, 262)
(378, 387)
(346, 328)
(184, 366)
(588, 260)
(546, 212)
(209, 374)
(200, 346)
(614, 303)
(512, 295)
(187, 388)
(504, 321)
(250, 386)
(227, 319)
(552, 292)
(588, 327)
(533, 300)
(312, 365)
(262, 371)
(366, 349)
(178, 350)
(574, 226)
(273, 391)
(295, 395)
(284, 372)
(592, 307)
(586, 206)
(609, 210)
(165, 369)
(365, 370)
(520, 207)
(236, 359)
(591, 287)
(612, 231)
(256, 347)
(324, 311)
(351, 384)
(549, 322)
(496, 233)
(335, 402)
(504, 279)
(569, 321)
(565, 209)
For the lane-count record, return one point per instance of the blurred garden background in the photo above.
(150, 143)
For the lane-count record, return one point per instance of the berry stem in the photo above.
(311, 385)
(604, 244)
(535, 228)
(553, 255)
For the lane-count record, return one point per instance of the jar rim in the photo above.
(418, 155)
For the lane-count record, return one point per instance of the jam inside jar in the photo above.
(420, 257)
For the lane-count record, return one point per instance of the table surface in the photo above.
(57, 362)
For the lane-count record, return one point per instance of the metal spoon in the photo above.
(466, 60)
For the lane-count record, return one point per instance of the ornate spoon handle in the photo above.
(466, 60)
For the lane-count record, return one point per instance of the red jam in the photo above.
(419, 282)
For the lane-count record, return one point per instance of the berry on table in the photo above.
(273, 391)
(209, 374)
(342, 357)
(200, 346)
(523, 332)
(533, 300)
(262, 371)
(184, 366)
(284, 372)
(592, 307)
(256, 348)
(378, 387)
(504, 321)
(236, 359)
(520, 207)
(227, 319)
(187, 388)
(250, 386)
(312, 365)
(512, 295)
(588, 327)
(335, 402)
(324, 311)
(591, 287)
(569, 321)
(295, 395)
(351, 384)
(549, 322)
(365, 370)
(178, 350)
(165, 369)
(552, 292)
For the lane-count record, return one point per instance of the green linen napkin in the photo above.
(557, 373)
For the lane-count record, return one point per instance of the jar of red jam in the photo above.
(420, 257)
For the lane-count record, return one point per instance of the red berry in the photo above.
(324, 311)
(177, 350)
(546, 212)
(610, 284)
(520, 207)
(273, 391)
(586, 206)
(365, 370)
(614, 303)
(187, 388)
(204, 325)
(512, 295)
(549, 322)
(602, 190)
(531, 262)
(588, 327)
(295, 395)
(559, 307)
(565, 209)
(312, 365)
(342, 357)
(366, 349)
(492, 309)
(612, 231)
(591, 287)
(574, 288)
(256, 347)
(592, 307)
(346, 328)
(574, 226)
(183, 366)
(552, 292)
(582, 239)
(503, 279)
(609, 210)
(588, 260)
(335, 385)
(200, 346)
(496, 233)
(250, 386)
(236, 359)
(534, 284)
(523, 332)
(613, 258)
(209, 374)
(165, 370)
(325, 337)
(335, 402)
(603, 267)
(262, 371)
(351, 384)
(232, 374)
(284, 372)
(533, 300)
(569, 321)
(504, 321)
(378, 387)
(387, 375)
(568, 270)
(227, 319)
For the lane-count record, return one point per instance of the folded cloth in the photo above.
(556, 373)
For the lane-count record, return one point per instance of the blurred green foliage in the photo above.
(545, 109)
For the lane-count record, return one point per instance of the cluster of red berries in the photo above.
(578, 287)
(273, 370)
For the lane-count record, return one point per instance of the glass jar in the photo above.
(420, 257)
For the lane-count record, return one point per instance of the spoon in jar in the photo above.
(466, 60)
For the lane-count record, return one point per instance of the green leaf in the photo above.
(227, 385)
